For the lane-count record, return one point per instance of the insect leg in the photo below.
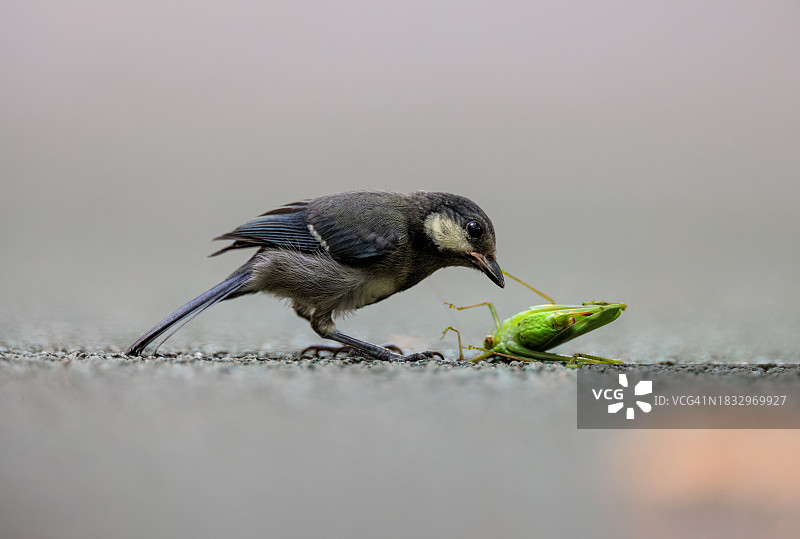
(496, 318)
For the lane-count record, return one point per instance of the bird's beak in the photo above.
(489, 267)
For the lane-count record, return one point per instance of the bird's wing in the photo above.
(347, 243)
(284, 227)
(347, 236)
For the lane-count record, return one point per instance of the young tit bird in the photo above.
(337, 253)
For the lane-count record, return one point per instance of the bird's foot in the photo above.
(418, 356)
(316, 351)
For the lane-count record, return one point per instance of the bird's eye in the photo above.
(474, 229)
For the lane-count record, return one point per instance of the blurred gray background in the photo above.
(638, 152)
(641, 152)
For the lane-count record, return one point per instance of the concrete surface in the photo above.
(99, 445)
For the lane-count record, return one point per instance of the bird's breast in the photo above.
(371, 291)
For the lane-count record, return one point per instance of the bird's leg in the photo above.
(306, 312)
(322, 323)
(379, 352)
(315, 350)
(302, 310)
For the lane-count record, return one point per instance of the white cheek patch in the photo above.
(446, 234)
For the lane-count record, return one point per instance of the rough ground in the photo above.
(100, 445)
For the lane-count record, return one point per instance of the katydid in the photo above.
(528, 335)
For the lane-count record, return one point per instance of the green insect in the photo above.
(528, 335)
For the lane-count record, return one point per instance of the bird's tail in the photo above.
(205, 300)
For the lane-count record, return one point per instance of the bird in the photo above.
(331, 255)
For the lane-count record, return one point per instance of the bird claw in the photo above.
(315, 350)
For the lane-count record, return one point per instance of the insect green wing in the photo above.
(545, 329)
